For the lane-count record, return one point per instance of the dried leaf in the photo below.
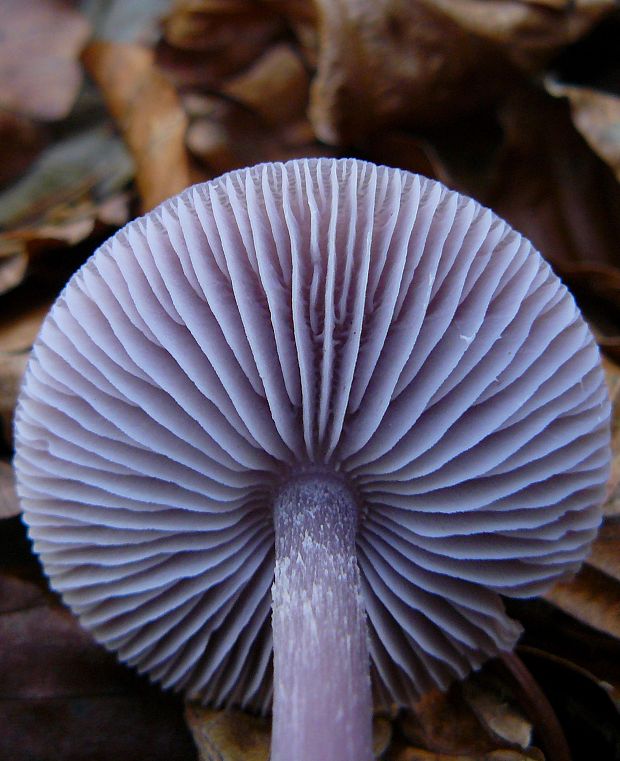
(418, 754)
(9, 503)
(430, 59)
(442, 722)
(120, 21)
(90, 165)
(425, 68)
(210, 40)
(605, 554)
(13, 267)
(12, 367)
(149, 114)
(21, 140)
(19, 325)
(544, 180)
(536, 705)
(591, 597)
(612, 376)
(238, 736)
(586, 705)
(597, 116)
(64, 698)
(228, 735)
(597, 290)
(530, 32)
(398, 148)
(501, 719)
(40, 42)
(225, 136)
(275, 87)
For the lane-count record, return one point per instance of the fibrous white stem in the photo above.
(322, 705)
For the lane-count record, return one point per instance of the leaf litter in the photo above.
(107, 108)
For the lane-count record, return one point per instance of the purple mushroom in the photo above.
(343, 372)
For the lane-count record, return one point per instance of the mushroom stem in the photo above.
(322, 704)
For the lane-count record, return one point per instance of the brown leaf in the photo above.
(418, 754)
(149, 114)
(19, 326)
(275, 87)
(430, 59)
(401, 149)
(612, 376)
(587, 706)
(20, 321)
(228, 735)
(40, 42)
(120, 21)
(207, 41)
(501, 718)
(21, 140)
(591, 597)
(64, 698)
(425, 68)
(530, 32)
(12, 268)
(543, 179)
(12, 367)
(238, 736)
(442, 722)
(75, 183)
(597, 116)
(9, 503)
(597, 290)
(223, 135)
(605, 553)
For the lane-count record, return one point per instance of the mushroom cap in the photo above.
(324, 315)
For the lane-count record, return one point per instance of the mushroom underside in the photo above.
(319, 316)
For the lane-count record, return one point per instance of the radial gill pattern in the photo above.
(325, 313)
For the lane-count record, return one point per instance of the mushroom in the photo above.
(346, 373)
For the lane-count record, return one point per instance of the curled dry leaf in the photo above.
(442, 722)
(13, 266)
(544, 180)
(238, 736)
(149, 114)
(225, 135)
(501, 718)
(431, 58)
(591, 597)
(597, 289)
(425, 68)
(612, 376)
(529, 32)
(9, 503)
(63, 698)
(120, 21)
(418, 754)
(22, 140)
(597, 116)
(605, 555)
(12, 368)
(18, 328)
(75, 185)
(275, 87)
(40, 42)
(588, 707)
(207, 41)
(228, 735)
